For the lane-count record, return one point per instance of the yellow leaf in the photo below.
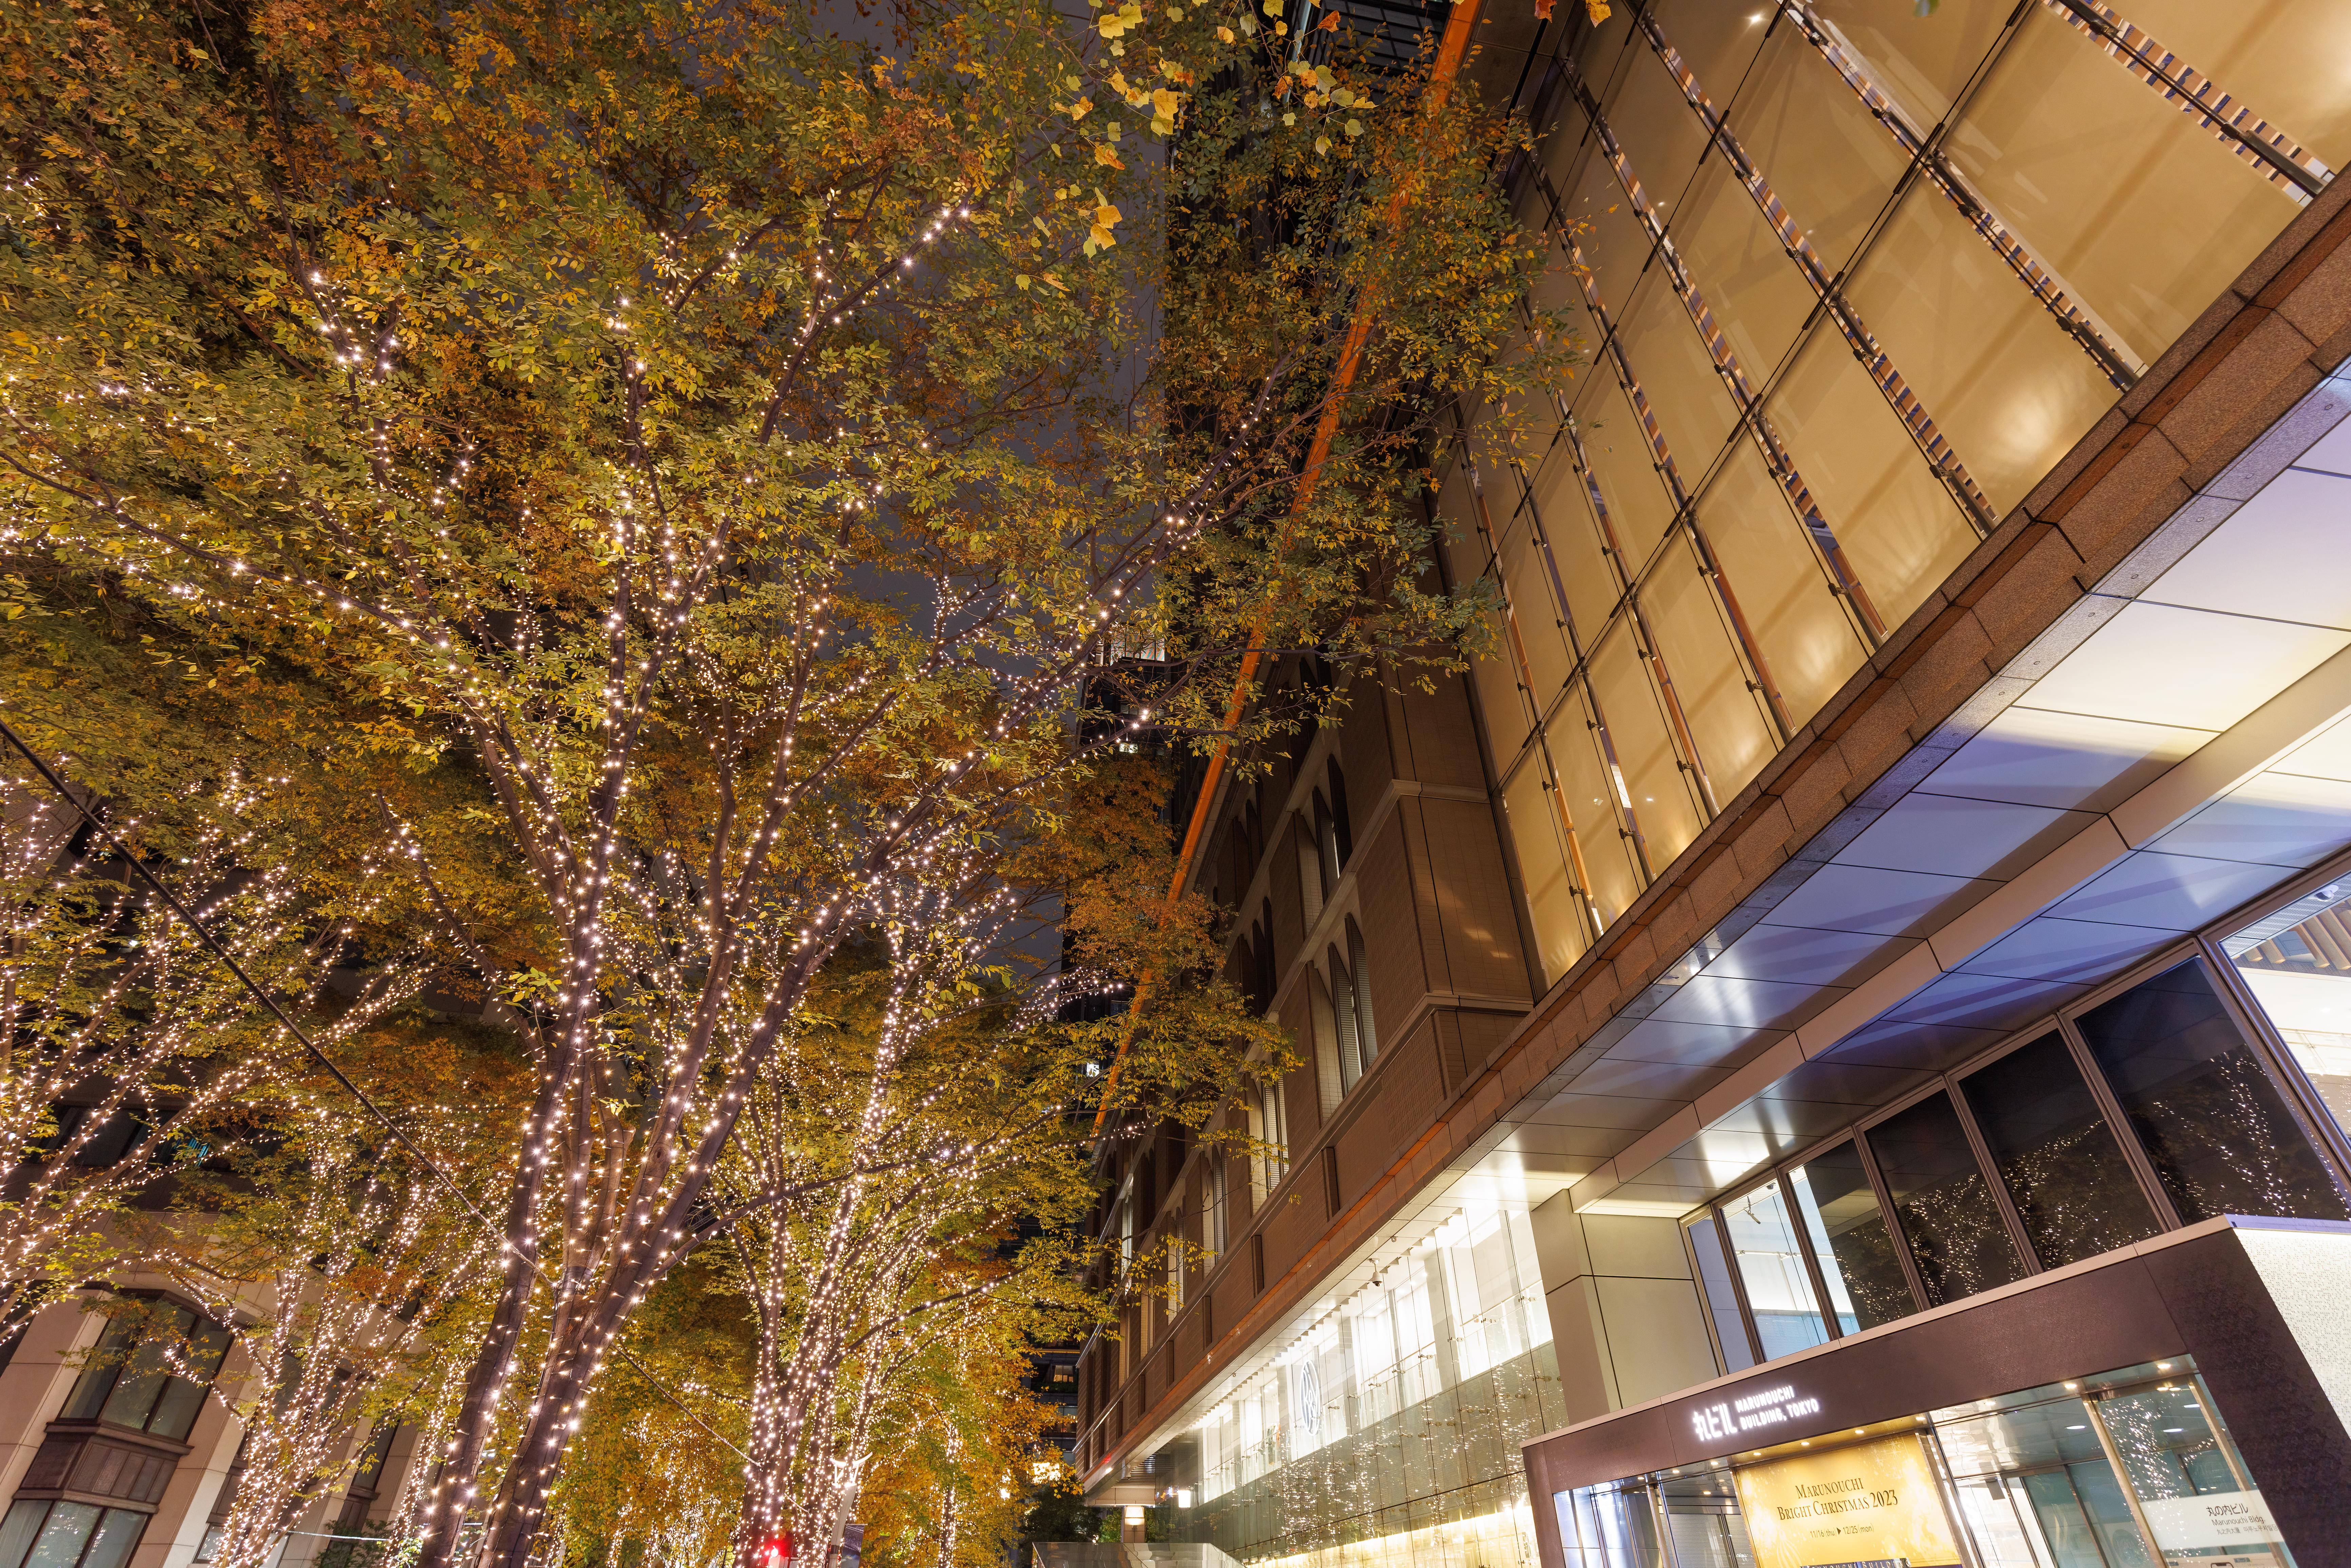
(1163, 103)
(1077, 110)
(1020, 279)
(1103, 154)
(1223, 34)
(1354, 128)
(1321, 145)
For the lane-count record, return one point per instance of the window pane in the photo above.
(1734, 738)
(62, 1538)
(2091, 168)
(1782, 586)
(2298, 966)
(1654, 779)
(2221, 1139)
(2007, 386)
(2058, 1159)
(1946, 1209)
(1771, 1266)
(2281, 57)
(1542, 865)
(117, 1532)
(1589, 789)
(1721, 1301)
(90, 1390)
(1564, 520)
(17, 1530)
(1900, 526)
(1866, 1285)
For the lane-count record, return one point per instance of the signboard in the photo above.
(2236, 1521)
(1754, 1415)
(1870, 1504)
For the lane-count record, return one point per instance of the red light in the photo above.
(776, 1552)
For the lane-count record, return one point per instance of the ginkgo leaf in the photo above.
(1103, 154)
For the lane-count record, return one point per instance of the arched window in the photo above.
(1309, 867)
(1367, 1040)
(1330, 1080)
(1342, 1012)
(1326, 843)
(1341, 827)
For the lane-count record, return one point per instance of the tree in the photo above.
(350, 1262)
(130, 1053)
(740, 439)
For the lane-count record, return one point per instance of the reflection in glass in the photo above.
(1703, 1522)
(2221, 1139)
(2057, 1156)
(1721, 1300)
(1866, 1285)
(1946, 1209)
(2298, 965)
(1763, 1238)
(1608, 1527)
(2191, 1484)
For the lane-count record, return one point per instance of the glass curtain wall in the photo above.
(1852, 279)
(1386, 1430)
(2150, 1110)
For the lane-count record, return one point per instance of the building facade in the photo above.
(1823, 1048)
(108, 1461)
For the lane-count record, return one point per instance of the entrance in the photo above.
(2131, 1468)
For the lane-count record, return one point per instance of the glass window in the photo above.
(1695, 638)
(1721, 1298)
(1589, 789)
(1608, 1527)
(1533, 814)
(67, 1534)
(2190, 1480)
(2059, 1160)
(2297, 962)
(1865, 1282)
(128, 1383)
(1780, 1292)
(2221, 1137)
(1946, 1209)
(1654, 781)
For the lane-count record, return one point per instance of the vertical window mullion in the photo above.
(1894, 1231)
(2143, 1167)
(1812, 1271)
(2018, 1236)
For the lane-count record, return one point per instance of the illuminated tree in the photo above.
(130, 1052)
(756, 454)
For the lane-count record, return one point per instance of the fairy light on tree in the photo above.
(737, 452)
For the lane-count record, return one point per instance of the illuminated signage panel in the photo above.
(1869, 1503)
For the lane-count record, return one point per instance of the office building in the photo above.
(1833, 1043)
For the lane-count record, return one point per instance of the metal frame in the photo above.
(2310, 1113)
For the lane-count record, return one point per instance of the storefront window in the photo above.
(1946, 1209)
(2297, 962)
(1763, 1238)
(2221, 1139)
(2072, 1187)
(2131, 1468)
(1866, 1285)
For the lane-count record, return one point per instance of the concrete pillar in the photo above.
(34, 1386)
(1624, 1315)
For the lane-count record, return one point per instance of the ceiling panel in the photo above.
(1803, 955)
(1786, 1124)
(1922, 1047)
(2281, 819)
(2178, 893)
(1574, 1109)
(1755, 1004)
(1960, 837)
(2036, 758)
(1866, 899)
(2159, 663)
(2281, 556)
(2326, 756)
(1670, 1039)
(2052, 948)
(1647, 1079)
(1996, 1002)
(1839, 1080)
